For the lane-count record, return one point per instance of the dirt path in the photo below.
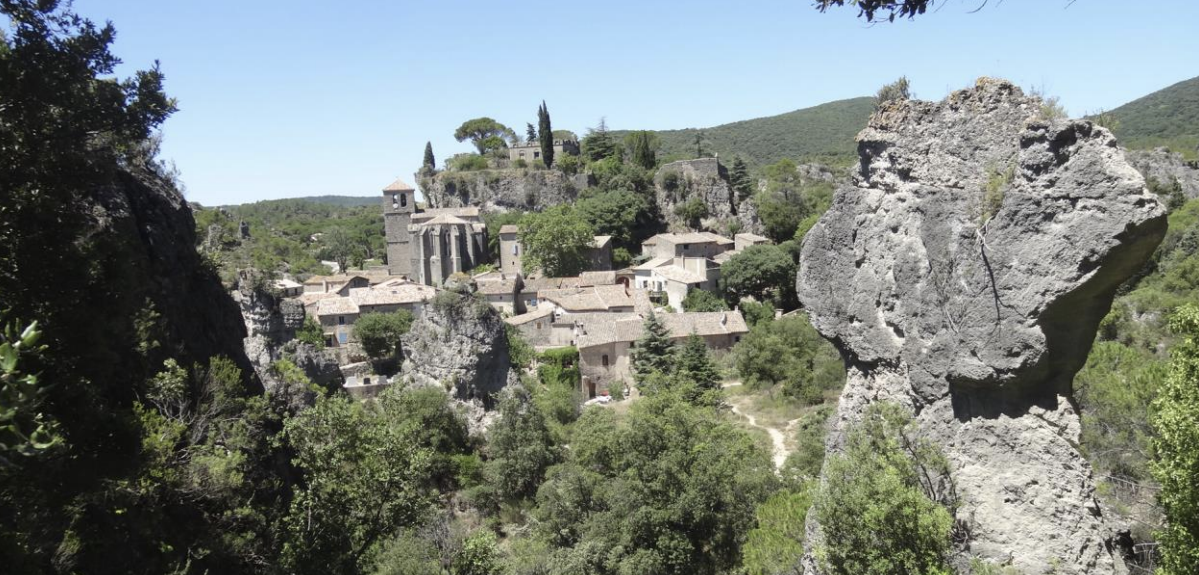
(777, 438)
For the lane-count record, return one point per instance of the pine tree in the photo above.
(739, 179)
(654, 354)
(598, 143)
(430, 163)
(530, 131)
(695, 365)
(546, 134)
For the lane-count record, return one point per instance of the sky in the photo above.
(298, 98)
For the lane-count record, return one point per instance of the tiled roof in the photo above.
(704, 323)
(722, 257)
(654, 263)
(466, 212)
(680, 275)
(398, 186)
(336, 306)
(535, 285)
(597, 278)
(605, 332)
(528, 317)
(442, 219)
(505, 286)
(719, 239)
(310, 299)
(509, 229)
(755, 238)
(689, 238)
(393, 294)
(286, 284)
(591, 298)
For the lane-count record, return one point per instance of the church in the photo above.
(427, 246)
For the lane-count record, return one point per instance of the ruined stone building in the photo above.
(427, 246)
(530, 151)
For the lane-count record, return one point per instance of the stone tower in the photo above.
(399, 203)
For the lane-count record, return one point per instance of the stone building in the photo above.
(530, 151)
(427, 246)
(599, 256)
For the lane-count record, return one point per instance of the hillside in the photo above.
(1167, 117)
(826, 131)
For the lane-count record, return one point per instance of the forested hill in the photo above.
(1167, 117)
(339, 201)
(825, 132)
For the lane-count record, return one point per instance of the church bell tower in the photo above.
(399, 203)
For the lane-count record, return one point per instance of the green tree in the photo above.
(1175, 419)
(557, 241)
(789, 352)
(775, 545)
(380, 333)
(763, 272)
(597, 144)
(897, 90)
(654, 352)
(740, 181)
(484, 133)
(886, 505)
(670, 489)
(366, 474)
(692, 211)
(519, 446)
(546, 132)
(703, 300)
(641, 148)
(341, 246)
(625, 215)
(430, 163)
(531, 132)
(311, 333)
(695, 373)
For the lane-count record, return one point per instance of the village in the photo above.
(600, 312)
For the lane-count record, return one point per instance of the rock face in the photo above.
(458, 344)
(963, 275)
(704, 178)
(1163, 165)
(271, 322)
(501, 190)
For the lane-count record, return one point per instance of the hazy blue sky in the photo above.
(281, 99)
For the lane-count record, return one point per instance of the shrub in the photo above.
(885, 507)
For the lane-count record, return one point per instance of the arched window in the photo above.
(403, 200)
(395, 200)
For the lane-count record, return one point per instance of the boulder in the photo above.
(678, 182)
(962, 275)
(458, 344)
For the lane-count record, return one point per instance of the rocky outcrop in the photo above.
(271, 323)
(963, 275)
(707, 180)
(1165, 166)
(458, 344)
(500, 190)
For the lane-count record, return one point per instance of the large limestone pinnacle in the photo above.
(963, 275)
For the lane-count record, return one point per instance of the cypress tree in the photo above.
(530, 131)
(546, 134)
(429, 164)
(739, 178)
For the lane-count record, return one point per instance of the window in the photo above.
(515, 249)
(341, 320)
(366, 381)
(604, 360)
(736, 339)
(328, 342)
(343, 338)
(536, 154)
(403, 199)
(395, 200)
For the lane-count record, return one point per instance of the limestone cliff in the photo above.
(963, 275)
(459, 344)
(500, 190)
(1166, 166)
(707, 180)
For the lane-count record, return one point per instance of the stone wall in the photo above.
(501, 190)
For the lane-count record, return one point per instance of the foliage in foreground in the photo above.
(1176, 447)
(885, 507)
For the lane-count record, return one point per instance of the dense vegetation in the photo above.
(820, 133)
(1168, 117)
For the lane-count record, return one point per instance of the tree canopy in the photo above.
(545, 133)
(380, 333)
(871, 8)
(485, 133)
(557, 241)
